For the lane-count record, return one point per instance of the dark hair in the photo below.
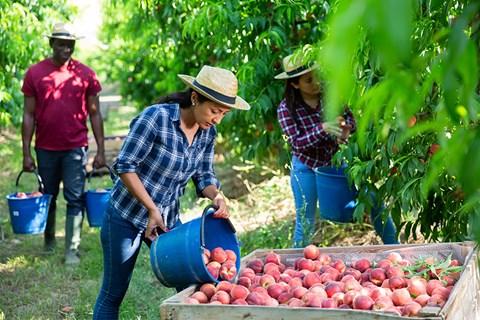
(291, 94)
(183, 98)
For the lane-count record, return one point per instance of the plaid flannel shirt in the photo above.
(157, 150)
(305, 134)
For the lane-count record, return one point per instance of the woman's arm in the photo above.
(136, 188)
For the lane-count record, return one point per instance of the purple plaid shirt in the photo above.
(305, 134)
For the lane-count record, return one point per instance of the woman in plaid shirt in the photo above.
(313, 143)
(168, 144)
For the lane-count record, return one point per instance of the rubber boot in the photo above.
(73, 235)
(49, 233)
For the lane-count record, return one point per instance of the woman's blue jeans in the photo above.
(306, 195)
(121, 243)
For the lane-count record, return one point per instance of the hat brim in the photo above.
(239, 102)
(284, 74)
(64, 37)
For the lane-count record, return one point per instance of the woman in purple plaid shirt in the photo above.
(169, 143)
(313, 143)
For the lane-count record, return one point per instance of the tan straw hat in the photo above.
(218, 85)
(63, 31)
(294, 67)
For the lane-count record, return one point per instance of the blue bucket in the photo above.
(29, 215)
(337, 200)
(96, 203)
(176, 256)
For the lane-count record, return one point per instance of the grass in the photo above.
(35, 286)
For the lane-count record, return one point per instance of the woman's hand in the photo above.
(332, 128)
(155, 221)
(345, 135)
(222, 211)
(212, 193)
(345, 130)
(338, 129)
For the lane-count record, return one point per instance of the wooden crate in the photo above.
(462, 304)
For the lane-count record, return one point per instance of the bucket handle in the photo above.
(91, 173)
(202, 225)
(40, 182)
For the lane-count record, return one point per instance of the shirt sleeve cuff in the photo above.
(205, 183)
(123, 168)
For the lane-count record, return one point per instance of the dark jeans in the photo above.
(69, 167)
(306, 194)
(121, 243)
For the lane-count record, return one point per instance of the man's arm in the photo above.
(28, 127)
(93, 104)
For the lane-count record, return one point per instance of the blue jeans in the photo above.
(68, 166)
(121, 243)
(306, 194)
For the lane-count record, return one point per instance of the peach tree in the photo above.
(410, 72)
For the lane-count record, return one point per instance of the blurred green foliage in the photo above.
(23, 25)
(409, 69)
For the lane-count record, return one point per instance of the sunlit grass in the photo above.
(36, 286)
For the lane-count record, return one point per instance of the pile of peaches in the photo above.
(315, 280)
(220, 263)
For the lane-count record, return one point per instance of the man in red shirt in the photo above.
(59, 94)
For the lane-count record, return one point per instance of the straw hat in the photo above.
(63, 31)
(218, 85)
(294, 67)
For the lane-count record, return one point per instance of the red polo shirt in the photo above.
(61, 110)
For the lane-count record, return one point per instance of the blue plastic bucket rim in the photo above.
(331, 171)
(94, 191)
(13, 196)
